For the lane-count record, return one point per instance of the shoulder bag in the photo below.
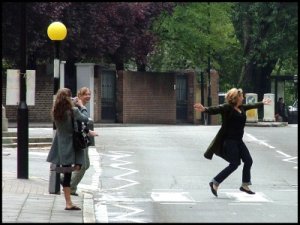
(80, 139)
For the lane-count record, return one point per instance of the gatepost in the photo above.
(269, 114)
(252, 113)
(85, 78)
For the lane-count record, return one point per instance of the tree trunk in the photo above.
(141, 67)
(257, 79)
(117, 59)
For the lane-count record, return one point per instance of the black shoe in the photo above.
(75, 194)
(212, 189)
(247, 191)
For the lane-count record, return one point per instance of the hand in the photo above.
(267, 101)
(199, 107)
(79, 102)
(93, 133)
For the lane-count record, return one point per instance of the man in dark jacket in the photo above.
(281, 111)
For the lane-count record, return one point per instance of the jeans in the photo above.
(235, 150)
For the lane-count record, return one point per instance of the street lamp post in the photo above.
(202, 95)
(209, 91)
(22, 133)
(296, 85)
(208, 70)
(56, 32)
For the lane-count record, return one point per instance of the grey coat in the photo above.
(62, 151)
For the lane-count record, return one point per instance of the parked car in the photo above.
(293, 113)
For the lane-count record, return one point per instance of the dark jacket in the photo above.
(226, 111)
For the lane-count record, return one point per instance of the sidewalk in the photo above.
(28, 200)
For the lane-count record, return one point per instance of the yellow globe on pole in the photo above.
(57, 31)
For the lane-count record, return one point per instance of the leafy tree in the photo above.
(110, 32)
(268, 32)
(194, 32)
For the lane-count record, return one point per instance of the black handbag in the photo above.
(80, 139)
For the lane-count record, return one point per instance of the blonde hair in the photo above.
(232, 95)
(82, 91)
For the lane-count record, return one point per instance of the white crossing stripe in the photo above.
(244, 197)
(171, 197)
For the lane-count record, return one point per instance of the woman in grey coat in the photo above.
(228, 143)
(62, 151)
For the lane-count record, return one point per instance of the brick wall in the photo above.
(140, 97)
(148, 97)
(97, 94)
(41, 111)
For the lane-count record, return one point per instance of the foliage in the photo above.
(113, 32)
(245, 41)
(272, 29)
(268, 32)
(190, 33)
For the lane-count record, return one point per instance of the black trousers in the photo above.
(235, 151)
(67, 178)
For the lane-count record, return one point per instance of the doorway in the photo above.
(108, 96)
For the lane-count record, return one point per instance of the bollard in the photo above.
(54, 177)
(269, 112)
(252, 113)
(4, 120)
(54, 180)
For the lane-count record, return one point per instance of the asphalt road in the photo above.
(157, 173)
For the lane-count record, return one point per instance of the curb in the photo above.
(88, 208)
(267, 124)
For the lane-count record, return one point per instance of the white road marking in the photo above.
(101, 208)
(101, 213)
(288, 157)
(261, 142)
(125, 216)
(284, 154)
(172, 196)
(244, 197)
(121, 154)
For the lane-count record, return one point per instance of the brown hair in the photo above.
(232, 95)
(62, 104)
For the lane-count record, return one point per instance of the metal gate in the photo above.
(181, 98)
(108, 90)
